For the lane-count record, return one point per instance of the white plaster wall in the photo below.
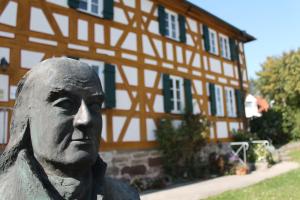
(153, 27)
(63, 3)
(210, 77)
(130, 3)
(105, 52)
(147, 47)
(170, 54)
(9, 14)
(131, 75)
(115, 35)
(99, 33)
(158, 105)
(198, 86)
(124, 102)
(197, 61)
(133, 131)
(234, 83)
(205, 62)
(168, 65)
(129, 56)
(236, 71)
(146, 6)
(104, 128)
(30, 58)
(82, 30)
(189, 40)
(222, 131)
(78, 47)
(150, 61)
(42, 41)
(5, 53)
(39, 22)
(118, 76)
(63, 23)
(118, 123)
(222, 80)
(4, 86)
(7, 34)
(151, 127)
(196, 108)
(182, 69)
(179, 54)
(228, 69)
(158, 46)
(212, 133)
(119, 16)
(234, 126)
(188, 55)
(150, 78)
(130, 42)
(193, 24)
(215, 65)
(12, 92)
(3, 127)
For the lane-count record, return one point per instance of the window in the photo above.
(176, 90)
(219, 101)
(94, 7)
(172, 27)
(225, 48)
(213, 41)
(230, 102)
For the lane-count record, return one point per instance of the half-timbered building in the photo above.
(155, 59)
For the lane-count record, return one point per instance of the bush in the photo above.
(180, 146)
(270, 127)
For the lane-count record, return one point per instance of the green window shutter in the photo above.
(108, 9)
(233, 49)
(110, 85)
(182, 30)
(206, 37)
(73, 4)
(162, 20)
(188, 96)
(239, 100)
(167, 93)
(212, 98)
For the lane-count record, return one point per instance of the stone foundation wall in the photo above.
(138, 164)
(133, 164)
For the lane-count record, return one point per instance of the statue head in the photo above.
(57, 115)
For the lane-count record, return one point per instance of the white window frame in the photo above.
(174, 33)
(90, 3)
(219, 100)
(224, 46)
(213, 42)
(230, 102)
(3, 126)
(177, 94)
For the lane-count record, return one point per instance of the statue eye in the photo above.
(65, 103)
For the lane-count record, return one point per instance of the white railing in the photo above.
(243, 146)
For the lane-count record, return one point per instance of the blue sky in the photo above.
(275, 24)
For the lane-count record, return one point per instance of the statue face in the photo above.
(66, 120)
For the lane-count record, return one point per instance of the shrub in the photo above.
(180, 146)
(270, 127)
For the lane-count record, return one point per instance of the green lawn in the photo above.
(283, 187)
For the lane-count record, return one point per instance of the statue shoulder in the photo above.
(118, 190)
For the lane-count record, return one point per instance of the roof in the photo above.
(247, 37)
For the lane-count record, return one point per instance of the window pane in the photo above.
(178, 105)
(177, 84)
(83, 5)
(95, 1)
(95, 9)
(167, 24)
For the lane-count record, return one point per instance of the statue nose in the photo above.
(83, 117)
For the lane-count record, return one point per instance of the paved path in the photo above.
(204, 189)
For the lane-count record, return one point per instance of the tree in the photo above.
(279, 80)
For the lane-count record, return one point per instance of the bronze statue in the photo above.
(55, 134)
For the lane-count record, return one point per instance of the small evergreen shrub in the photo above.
(180, 146)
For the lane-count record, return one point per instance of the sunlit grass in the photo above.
(283, 187)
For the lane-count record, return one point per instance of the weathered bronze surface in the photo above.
(55, 134)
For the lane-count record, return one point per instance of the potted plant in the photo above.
(241, 169)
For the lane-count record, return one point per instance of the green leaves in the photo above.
(279, 80)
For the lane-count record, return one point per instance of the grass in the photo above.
(285, 187)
